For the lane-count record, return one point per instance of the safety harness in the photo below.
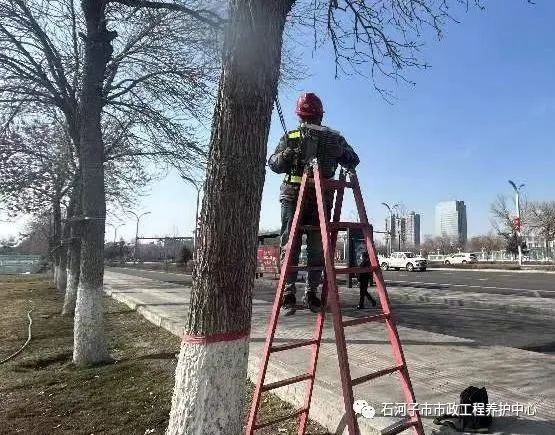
(295, 175)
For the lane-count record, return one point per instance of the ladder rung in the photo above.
(352, 270)
(287, 381)
(283, 347)
(336, 184)
(344, 225)
(398, 427)
(279, 420)
(361, 320)
(305, 268)
(309, 228)
(375, 375)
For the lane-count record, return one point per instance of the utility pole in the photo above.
(138, 218)
(391, 223)
(518, 222)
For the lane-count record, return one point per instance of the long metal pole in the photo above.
(138, 218)
(518, 234)
(196, 224)
(390, 235)
(391, 223)
(136, 240)
(116, 231)
(198, 188)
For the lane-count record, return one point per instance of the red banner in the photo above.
(268, 259)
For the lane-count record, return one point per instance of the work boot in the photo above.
(289, 303)
(312, 302)
(360, 305)
(371, 299)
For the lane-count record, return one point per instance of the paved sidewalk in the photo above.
(440, 365)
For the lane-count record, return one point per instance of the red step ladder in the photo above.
(330, 298)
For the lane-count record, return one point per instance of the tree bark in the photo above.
(89, 340)
(214, 353)
(73, 249)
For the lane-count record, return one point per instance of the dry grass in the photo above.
(41, 391)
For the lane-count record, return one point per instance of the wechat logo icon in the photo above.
(363, 408)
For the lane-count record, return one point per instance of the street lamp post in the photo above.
(517, 206)
(115, 230)
(138, 218)
(198, 188)
(390, 238)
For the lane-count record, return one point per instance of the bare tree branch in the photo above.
(203, 15)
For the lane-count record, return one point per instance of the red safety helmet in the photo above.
(309, 105)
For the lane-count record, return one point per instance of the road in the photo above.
(486, 326)
(507, 283)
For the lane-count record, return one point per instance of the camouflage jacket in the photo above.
(309, 141)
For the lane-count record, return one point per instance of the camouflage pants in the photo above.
(314, 253)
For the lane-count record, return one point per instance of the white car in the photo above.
(404, 260)
(460, 258)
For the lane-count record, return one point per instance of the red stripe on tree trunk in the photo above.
(216, 338)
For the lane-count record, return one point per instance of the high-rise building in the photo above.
(404, 231)
(412, 230)
(451, 220)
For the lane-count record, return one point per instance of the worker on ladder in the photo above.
(294, 152)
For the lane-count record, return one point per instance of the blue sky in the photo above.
(483, 113)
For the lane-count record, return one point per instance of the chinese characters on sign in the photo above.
(396, 409)
(436, 409)
(268, 259)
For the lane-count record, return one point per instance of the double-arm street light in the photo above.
(115, 227)
(138, 218)
(198, 186)
(391, 223)
(518, 223)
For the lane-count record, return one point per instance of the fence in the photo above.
(534, 254)
(20, 263)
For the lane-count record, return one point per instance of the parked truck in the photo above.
(403, 260)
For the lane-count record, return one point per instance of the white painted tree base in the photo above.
(56, 272)
(71, 295)
(209, 389)
(89, 342)
(61, 280)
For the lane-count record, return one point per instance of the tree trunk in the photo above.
(56, 239)
(89, 346)
(73, 249)
(214, 352)
(62, 273)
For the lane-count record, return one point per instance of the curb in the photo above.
(163, 322)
